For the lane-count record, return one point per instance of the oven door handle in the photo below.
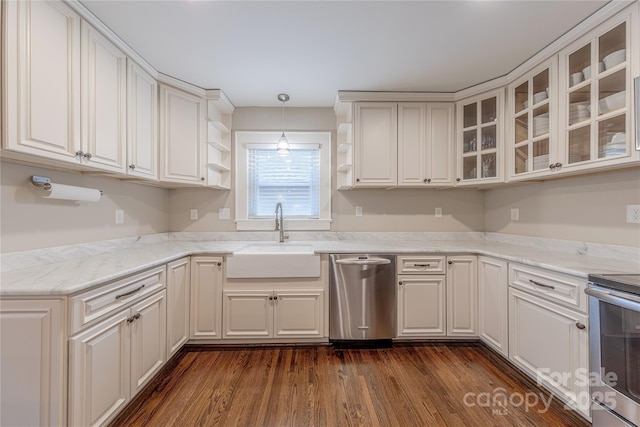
(629, 303)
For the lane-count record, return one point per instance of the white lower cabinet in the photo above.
(549, 342)
(111, 361)
(178, 287)
(421, 306)
(274, 313)
(462, 291)
(493, 297)
(33, 363)
(206, 298)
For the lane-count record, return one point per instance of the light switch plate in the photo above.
(515, 214)
(358, 210)
(438, 213)
(119, 216)
(194, 214)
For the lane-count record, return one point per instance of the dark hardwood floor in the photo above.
(407, 385)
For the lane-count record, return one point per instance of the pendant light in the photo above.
(283, 143)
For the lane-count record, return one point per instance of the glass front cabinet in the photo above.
(596, 96)
(533, 113)
(480, 136)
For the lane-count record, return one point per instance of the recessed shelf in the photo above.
(219, 167)
(345, 167)
(221, 127)
(219, 145)
(343, 148)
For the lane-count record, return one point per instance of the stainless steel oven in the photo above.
(614, 349)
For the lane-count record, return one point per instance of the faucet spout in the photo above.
(280, 223)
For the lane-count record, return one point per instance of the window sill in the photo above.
(289, 224)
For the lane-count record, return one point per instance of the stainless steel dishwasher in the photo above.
(362, 298)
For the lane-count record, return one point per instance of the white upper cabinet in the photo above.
(182, 126)
(480, 130)
(425, 144)
(142, 123)
(375, 144)
(104, 97)
(42, 98)
(596, 91)
(533, 148)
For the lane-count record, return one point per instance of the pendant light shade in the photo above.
(282, 147)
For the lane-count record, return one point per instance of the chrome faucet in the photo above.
(280, 223)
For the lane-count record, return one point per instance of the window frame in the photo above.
(268, 139)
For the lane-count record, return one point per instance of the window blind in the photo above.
(292, 180)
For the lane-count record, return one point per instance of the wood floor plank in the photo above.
(407, 385)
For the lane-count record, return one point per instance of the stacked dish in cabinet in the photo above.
(616, 146)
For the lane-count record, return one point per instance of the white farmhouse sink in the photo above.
(262, 260)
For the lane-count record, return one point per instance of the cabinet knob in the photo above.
(400, 283)
(275, 297)
(552, 166)
(79, 154)
(202, 178)
(580, 326)
(132, 167)
(428, 179)
(558, 164)
(271, 298)
(449, 262)
(219, 264)
(458, 179)
(357, 179)
(130, 319)
(87, 156)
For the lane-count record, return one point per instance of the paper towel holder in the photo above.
(44, 182)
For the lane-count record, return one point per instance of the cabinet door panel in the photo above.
(32, 366)
(99, 371)
(248, 314)
(376, 143)
(43, 88)
(545, 341)
(206, 297)
(461, 296)
(493, 303)
(440, 128)
(104, 80)
(183, 117)
(298, 313)
(148, 340)
(142, 129)
(412, 159)
(178, 286)
(421, 306)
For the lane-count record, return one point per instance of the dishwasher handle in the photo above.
(367, 261)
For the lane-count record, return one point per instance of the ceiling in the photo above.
(253, 50)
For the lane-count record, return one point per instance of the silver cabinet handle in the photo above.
(132, 167)
(558, 164)
(87, 156)
(126, 294)
(368, 261)
(130, 319)
(79, 154)
(580, 326)
(542, 285)
(552, 166)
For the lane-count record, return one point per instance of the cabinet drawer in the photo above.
(563, 288)
(95, 304)
(420, 264)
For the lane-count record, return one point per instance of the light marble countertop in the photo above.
(77, 274)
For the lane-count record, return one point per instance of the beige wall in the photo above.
(28, 221)
(589, 208)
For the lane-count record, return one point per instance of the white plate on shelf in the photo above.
(613, 102)
(617, 57)
(619, 138)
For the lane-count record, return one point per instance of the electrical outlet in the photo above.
(358, 210)
(194, 214)
(438, 212)
(633, 214)
(515, 214)
(119, 216)
(224, 213)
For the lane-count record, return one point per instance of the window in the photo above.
(300, 181)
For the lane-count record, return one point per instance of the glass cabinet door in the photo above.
(596, 80)
(480, 139)
(531, 107)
